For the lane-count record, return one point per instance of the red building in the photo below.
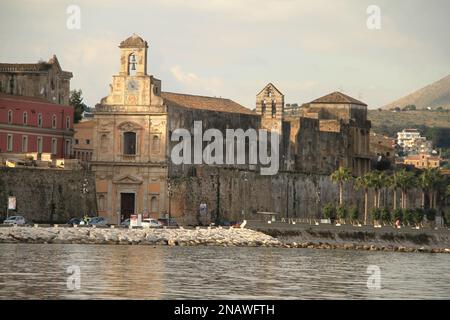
(30, 124)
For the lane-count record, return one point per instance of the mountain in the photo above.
(434, 95)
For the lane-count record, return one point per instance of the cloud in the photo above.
(191, 81)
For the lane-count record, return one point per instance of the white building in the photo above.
(407, 138)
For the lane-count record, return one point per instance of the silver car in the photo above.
(15, 220)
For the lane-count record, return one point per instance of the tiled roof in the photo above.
(204, 103)
(337, 98)
(133, 42)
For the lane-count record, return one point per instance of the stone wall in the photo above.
(47, 195)
(290, 195)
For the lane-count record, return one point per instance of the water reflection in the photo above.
(145, 272)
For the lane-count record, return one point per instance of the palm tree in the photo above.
(341, 176)
(436, 181)
(377, 181)
(424, 183)
(406, 181)
(363, 182)
(394, 183)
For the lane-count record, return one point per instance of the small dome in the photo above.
(133, 42)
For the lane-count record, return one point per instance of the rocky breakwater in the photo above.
(172, 237)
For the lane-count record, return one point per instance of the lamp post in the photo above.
(217, 220)
(84, 191)
(169, 193)
(245, 197)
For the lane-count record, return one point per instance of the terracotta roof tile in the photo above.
(337, 98)
(204, 103)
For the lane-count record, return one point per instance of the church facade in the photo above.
(129, 140)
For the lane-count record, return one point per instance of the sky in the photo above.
(233, 48)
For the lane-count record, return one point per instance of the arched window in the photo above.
(274, 109)
(155, 144)
(104, 143)
(263, 107)
(54, 121)
(68, 122)
(25, 118)
(40, 120)
(10, 116)
(154, 204)
(129, 143)
(132, 65)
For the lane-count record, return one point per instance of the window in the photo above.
(88, 141)
(154, 204)
(24, 143)
(54, 146)
(101, 202)
(76, 141)
(129, 143)
(25, 118)
(54, 121)
(67, 149)
(155, 144)
(10, 116)
(263, 107)
(67, 122)
(9, 143)
(39, 144)
(132, 64)
(274, 109)
(40, 120)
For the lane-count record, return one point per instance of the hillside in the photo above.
(434, 95)
(389, 122)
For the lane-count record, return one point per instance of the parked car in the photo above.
(125, 223)
(15, 220)
(98, 221)
(74, 221)
(151, 223)
(165, 222)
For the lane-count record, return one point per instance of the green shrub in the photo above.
(385, 215)
(447, 217)
(417, 216)
(353, 213)
(431, 215)
(407, 214)
(376, 214)
(328, 211)
(397, 214)
(341, 212)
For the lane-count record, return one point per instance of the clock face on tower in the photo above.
(132, 85)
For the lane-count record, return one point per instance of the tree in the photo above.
(385, 215)
(340, 176)
(76, 101)
(394, 183)
(353, 213)
(406, 181)
(328, 211)
(341, 213)
(363, 182)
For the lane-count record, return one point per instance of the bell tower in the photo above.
(133, 56)
(270, 105)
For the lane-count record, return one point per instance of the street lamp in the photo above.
(245, 198)
(169, 193)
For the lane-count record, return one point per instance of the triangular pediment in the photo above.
(129, 126)
(127, 179)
